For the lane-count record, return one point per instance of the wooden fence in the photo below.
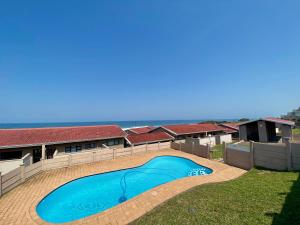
(17, 176)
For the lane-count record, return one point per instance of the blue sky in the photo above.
(137, 59)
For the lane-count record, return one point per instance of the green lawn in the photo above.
(296, 131)
(259, 197)
(217, 152)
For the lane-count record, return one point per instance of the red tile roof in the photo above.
(141, 130)
(278, 120)
(234, 126)
(180, 129)
(230, 128)
(149, 138)
(38, 136)
(272, 119)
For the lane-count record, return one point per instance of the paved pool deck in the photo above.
(18, 205)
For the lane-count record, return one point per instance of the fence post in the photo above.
(43, 166)
(158, 145)
(94, 156)
(22, 171)
(251, 154)
(288, 153)
(208, 151)
(0, 184)
(70, 159)
(193, 146)
(224, 152)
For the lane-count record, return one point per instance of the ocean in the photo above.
(123, 124)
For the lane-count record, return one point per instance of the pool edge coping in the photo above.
(116, 213)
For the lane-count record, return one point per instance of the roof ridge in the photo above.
(63, 127)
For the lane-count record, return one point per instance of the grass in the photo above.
(296, 131)
(259, 197)
(217, 152)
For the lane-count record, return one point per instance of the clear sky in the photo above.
(140, 59)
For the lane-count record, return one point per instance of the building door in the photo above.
(50, 153)
(252, 132)
(37, 155)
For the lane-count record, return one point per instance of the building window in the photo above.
(68, 149)
(113, 142)
(71, 149)
(78, 148)
(90, 145)
(110, 142)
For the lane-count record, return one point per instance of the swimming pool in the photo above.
(93, 194)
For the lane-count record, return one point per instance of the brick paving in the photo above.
(18, 205)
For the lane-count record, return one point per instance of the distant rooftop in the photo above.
(141, 130)
(273, 119)
(148, 138)
(230, 128)
(180, 129)
(38, 136)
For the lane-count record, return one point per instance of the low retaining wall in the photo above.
(271, 156)
(192, 146)
(17, 176)
(238, 156)
(277, 156)
(9, 165)
(295, 149)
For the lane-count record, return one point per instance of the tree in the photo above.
(244, 120)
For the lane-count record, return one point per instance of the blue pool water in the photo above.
(93, 194)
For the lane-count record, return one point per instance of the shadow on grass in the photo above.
(290, 213)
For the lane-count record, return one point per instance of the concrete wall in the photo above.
(295, 148)
(227, 138)
(286, 131)
(9, 165)
(238, 158)
(10, 180)
(17, 176)
(211, 141)
(192, 146)
(270, 155)
(277, 156)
